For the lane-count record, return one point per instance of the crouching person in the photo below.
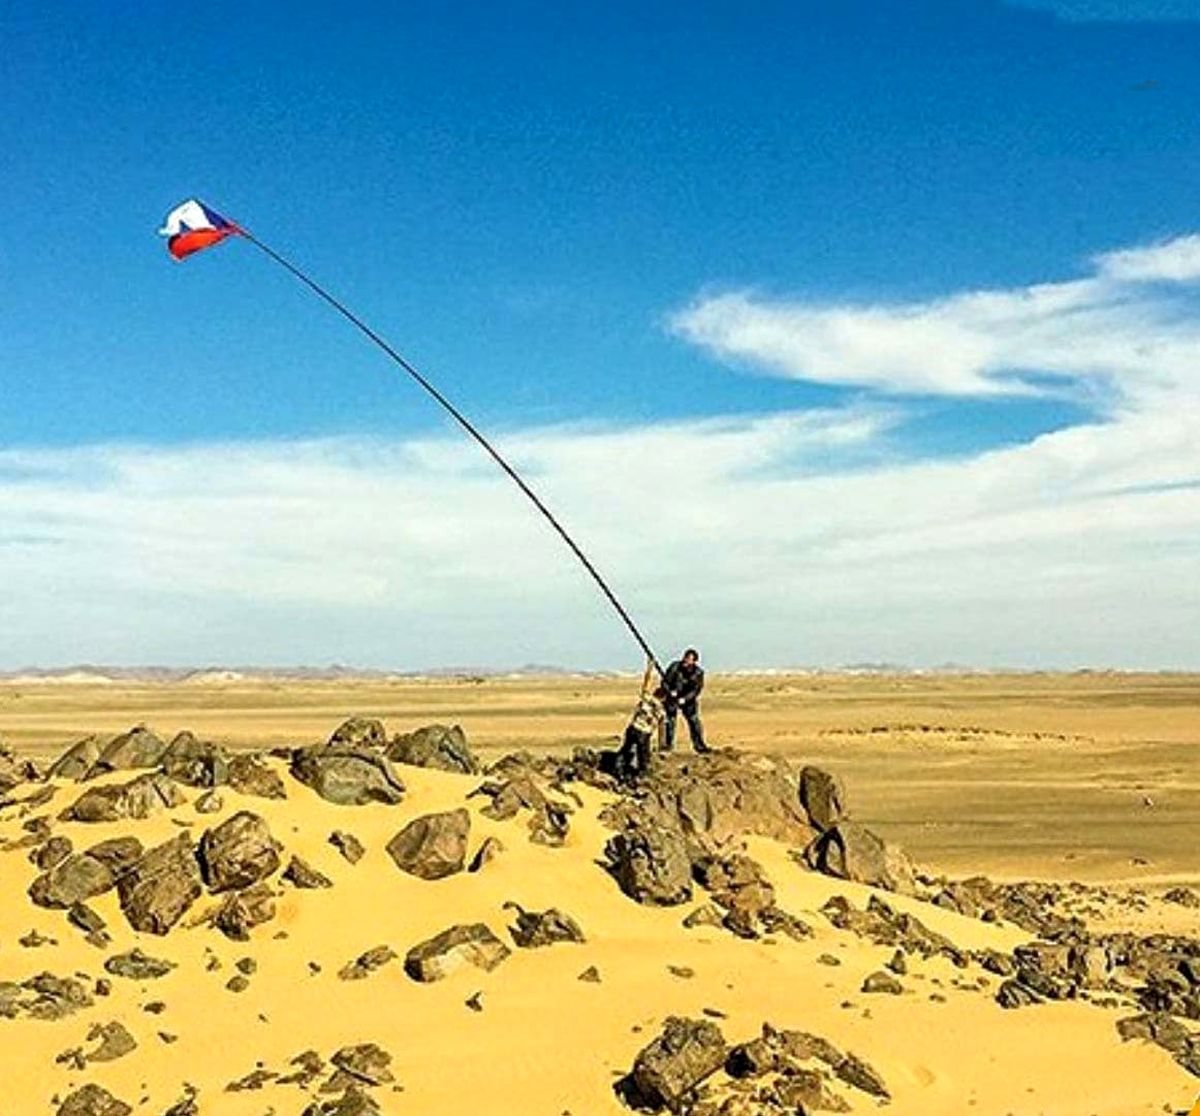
(645, 723)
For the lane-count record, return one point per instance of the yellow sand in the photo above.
(545, 1042)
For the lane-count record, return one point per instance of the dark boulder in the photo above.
(139, 798)
(243, 910)
(82, 876)
(850, 851)
(440, 955)
(347, 774)
(667, 1072)
(77, 760)
(237, 853)
(250, 776)
(650, 862)
(93, 1100)
(438, 746)
(195, 763)
(542, 928)
(359, 732)
(823, 797)
(433, 846)
(137, 748)
(300, 874)
(157, 890)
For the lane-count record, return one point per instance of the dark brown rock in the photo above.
(77, 760)
(823, 797)
(366, 1062)
(52, 852)
(300, 874)
(542, 928)
(238, 853)
(139, 798)
(137, 748)
(195, 763)
(650, 862)
(667, 1072)
(161, 886)
(437, 746)
(93, 1100)
(136, 965)
(243, 910)
(348, 845)
(433, 846)
(250, 776)
(850, 851)
(347, 775)
(440, 955)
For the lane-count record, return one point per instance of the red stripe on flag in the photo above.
(194, 240)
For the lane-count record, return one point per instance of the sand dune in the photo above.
(535, 1038)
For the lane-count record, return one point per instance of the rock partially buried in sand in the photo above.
(161, 886)
(195, 763)
(491, 848)
(347, 774)
(433, 846)
(367, 1062)
(243, 910)
(664, 1074)
(114, 1039)
(83, 876)
(136, 965)
(348, 845)
(93, 1100)
(137, 748)
(237, 853)
(300, 874)
(534, 929)
(440, 955)
(650, 863)
(850, 851)
(353, 1102)
(438, 746)
(250, 776)
(77, 760)
(139, 798)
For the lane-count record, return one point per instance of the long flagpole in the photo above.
(470, 428)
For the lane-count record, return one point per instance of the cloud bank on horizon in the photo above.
(801, 537)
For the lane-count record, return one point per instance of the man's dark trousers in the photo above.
(691, 714)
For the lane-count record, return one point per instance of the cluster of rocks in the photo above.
(44, 996)
(689, 1069)
(1159, 972)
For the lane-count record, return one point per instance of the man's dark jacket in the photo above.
(685, 683)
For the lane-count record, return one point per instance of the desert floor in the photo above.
(1091, 776)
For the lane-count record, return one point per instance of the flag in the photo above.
(192, 226)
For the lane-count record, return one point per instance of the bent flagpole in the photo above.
(193, 226)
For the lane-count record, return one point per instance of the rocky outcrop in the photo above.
(238, 853)
(433, 846)
(139, 798)
(157, 890)
(440, 955)
(438, 746)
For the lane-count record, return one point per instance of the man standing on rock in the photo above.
(681, 686)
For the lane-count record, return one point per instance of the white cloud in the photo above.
(787, 538)
(1117, 11)
(1127, 330)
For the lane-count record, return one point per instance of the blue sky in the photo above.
(619, 229)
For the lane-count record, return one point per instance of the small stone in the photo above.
(237, 983)
(348, 845)
(882, 982)
(590, 975)
(136, 965)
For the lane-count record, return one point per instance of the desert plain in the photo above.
(1090, 781)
